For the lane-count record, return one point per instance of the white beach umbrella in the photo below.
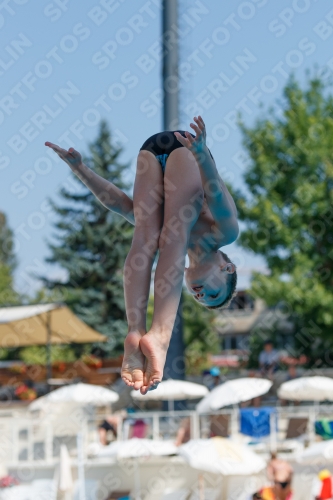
(135, 447)
(173, 390)
(317, 453)
(233, 392)
(64, 402)
(221, 456)
(80, 394)
(307, 389)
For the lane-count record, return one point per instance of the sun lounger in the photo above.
(297, 427)
(220, 425)
(119, 495)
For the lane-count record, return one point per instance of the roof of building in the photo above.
(248, 313)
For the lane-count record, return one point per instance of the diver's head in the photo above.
(212, 282)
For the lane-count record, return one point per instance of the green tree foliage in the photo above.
(37, 355)
(200, 333)
(8, 296)
(7, 255)
(199, 326)
(289, 213)
(91, 245)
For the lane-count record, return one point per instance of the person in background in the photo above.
(184, 432)
(268, 359)
(110, 423)
(322, 488)
(279, 473)
(278, 469)
(255, 496)
(291, 375)
(215, 378)
(280, 491)
(255, 402)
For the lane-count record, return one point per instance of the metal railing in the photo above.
(24, 439)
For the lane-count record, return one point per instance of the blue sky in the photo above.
(64, 65)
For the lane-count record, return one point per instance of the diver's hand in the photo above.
(195, 144)
(71, 157)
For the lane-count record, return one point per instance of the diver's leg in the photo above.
(148, 214)
(183, 197)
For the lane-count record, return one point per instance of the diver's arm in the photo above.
(108, 194)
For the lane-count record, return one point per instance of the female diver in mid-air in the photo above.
(180, 206)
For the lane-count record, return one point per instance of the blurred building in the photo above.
(246, 316)
(236, 323)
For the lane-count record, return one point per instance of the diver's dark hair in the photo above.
(231, 282)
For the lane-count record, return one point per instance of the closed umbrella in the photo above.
(233, 392)
(307, 389)
(173, 390)
(65, 482)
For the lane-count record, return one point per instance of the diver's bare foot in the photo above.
(155, 350)
(133, 362)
